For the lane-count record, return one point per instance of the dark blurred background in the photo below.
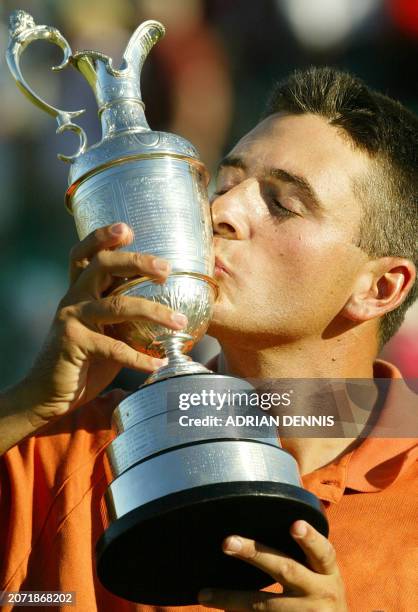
(206, 80)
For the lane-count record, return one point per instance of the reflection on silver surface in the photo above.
(194, 466)
(164, 201)
(153, 400)
(156, 435)
(148, 421)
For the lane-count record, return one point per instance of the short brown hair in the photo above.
(389, 133)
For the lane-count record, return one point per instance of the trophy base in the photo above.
(182, 534)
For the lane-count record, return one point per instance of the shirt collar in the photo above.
(377, 461)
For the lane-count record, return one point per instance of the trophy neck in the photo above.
(122, 116)
(119, 99)
(117, 92)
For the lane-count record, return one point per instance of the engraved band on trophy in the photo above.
(167, 490)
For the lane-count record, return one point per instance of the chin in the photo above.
(222, 316)
(217, 328)
(224, 328)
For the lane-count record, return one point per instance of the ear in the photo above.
(381, 286)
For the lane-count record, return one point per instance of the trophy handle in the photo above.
(23, 31)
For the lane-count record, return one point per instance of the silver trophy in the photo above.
(175, 492)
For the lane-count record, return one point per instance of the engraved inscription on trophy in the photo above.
(95, 209)
(148, 199)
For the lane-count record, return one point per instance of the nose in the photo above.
(229, 215)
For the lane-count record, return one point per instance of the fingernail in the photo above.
(299, 529)
(233, 544)
(204, 595)
(118, 228)
(179, 318)
(160, 265)
(159, 363)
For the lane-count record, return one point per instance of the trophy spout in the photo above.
(140, 44)
(118, 90)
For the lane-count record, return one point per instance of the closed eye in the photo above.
(282, 210)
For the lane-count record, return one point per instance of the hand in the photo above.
(78, 360)
(318, 588)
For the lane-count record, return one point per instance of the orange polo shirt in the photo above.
(51, 485)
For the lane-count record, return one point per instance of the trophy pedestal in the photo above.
(176, 496)
(164, 552)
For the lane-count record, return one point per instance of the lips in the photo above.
(220, 267)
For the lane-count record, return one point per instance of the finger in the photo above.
(110, 236)
(117, 351)
(108, 265)
(283, 569)
(250, 600)
(319, 551)
(121, 308)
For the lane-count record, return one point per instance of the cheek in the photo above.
(305, 264)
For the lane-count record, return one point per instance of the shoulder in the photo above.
(61, 447)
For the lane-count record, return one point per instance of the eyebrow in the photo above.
(282, 175)
(232, 162)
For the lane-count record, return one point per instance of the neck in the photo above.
(306, 358)
(310, 359)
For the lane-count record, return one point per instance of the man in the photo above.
(315, 220)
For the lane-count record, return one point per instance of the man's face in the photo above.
(286, 222)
